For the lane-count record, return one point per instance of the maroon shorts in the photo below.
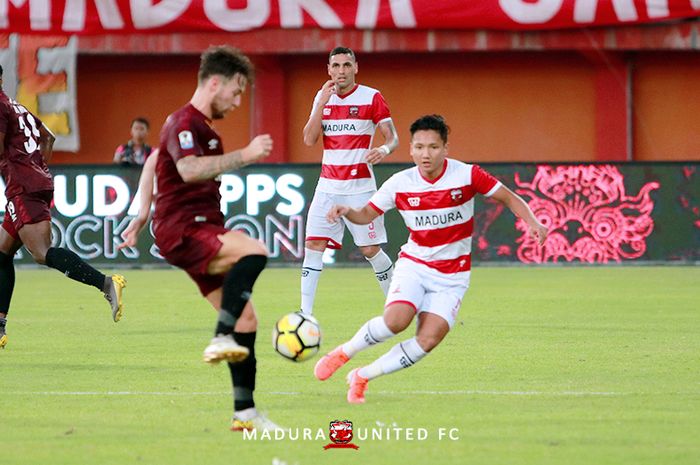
(199, 246)
(28, 208)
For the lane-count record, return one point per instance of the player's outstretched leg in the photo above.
(403, 355)
(372, 332)
(71, 265)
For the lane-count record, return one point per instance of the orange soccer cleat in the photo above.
(358, 386)
(330, 363)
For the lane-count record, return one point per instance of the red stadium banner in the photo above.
(87, 17)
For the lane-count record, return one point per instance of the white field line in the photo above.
(381, 393)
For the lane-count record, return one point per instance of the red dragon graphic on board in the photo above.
(589, 215)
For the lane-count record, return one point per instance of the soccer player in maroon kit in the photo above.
(25, 148)
(189, 226)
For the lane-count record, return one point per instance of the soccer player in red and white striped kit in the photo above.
(347, 115)
(436, 201)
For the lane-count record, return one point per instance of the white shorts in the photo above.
(318, 227)
(427, 290)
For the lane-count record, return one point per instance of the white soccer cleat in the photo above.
(259, 423)
(113, 294)
(224, 348)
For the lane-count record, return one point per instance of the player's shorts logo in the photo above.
(186, 140)
(340, 434)
(414, 201)
(11, 210)
(213, 144)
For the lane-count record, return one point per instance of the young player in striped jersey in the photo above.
(436, 200)
(346, 114)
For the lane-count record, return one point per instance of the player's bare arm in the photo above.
(146, 181)
(391, 141)
(46, 140)
(520, 208)
(313, 129)
(193, 169)
(365, 215)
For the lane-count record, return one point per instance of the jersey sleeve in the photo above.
(483, 182)
(182, 141)
(313, 105)
(380, 110)
(385, 198)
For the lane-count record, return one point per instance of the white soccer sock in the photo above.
(383, 269)
(372, 332)
(403, 355)
(310, 272)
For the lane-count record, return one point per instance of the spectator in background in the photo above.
(136, 150)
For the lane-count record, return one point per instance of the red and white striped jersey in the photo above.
(349, 123)
(439, 214)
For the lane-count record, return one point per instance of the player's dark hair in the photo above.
(340, 51)
(141, 120)
(0, 71)
(226, 61)
(431, 122)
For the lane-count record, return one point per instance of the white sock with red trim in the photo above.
(310, 272)
(383, 270)
(371, 333)
(403, 355)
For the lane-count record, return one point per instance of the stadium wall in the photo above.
(630, 213)
(549, 106)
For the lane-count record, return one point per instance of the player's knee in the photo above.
(369, 251)
(250, 246)
(397, 323)
(258, 248)
(428, 342)
(39, 256)
(317, 245)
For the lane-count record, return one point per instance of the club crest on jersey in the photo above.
(414, 201)
(186, 140)
(326, 111)
(213, 144)
(456, 194)
(354, 111)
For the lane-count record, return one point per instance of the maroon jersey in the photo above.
(186, 133)
(21, 165)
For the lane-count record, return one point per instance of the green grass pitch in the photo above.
(545, 366)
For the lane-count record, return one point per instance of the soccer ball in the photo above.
(296, 337)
